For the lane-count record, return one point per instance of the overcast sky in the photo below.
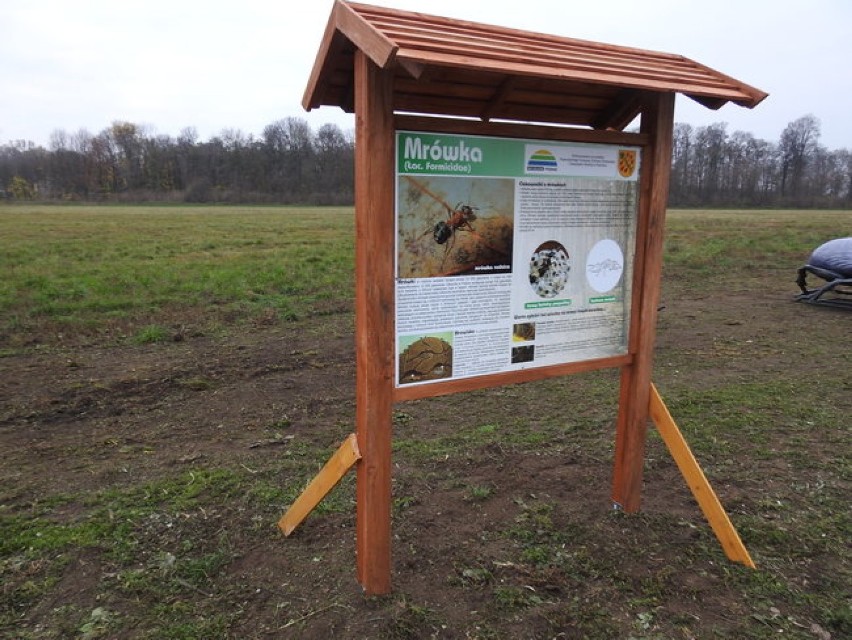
(215, 64)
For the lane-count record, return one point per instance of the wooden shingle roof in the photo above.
(451, 67)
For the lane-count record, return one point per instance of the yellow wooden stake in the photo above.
(328, 477)
(698, 484)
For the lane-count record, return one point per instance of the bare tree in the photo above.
(798, 144)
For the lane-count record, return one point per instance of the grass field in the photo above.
(120, 272)
(171, 377)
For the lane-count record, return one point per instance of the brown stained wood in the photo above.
(583, 117)
(419, 391)
(457, 107)
(374, 321)
(631, 424)
(710, 103)
(554, 108)
(328, 477)
(372, 42)
(463, 90)
(441, 76)
(488, 42)
(563, 100)
(520, 91)
(490, 100)
(447, 53)
(621, 111)
(413, 68)
(505, 88)
(406, 26)
(347, 102)
(746, 89)
(438, 105)
(337, 76)
(486, 50)
(392, 60)
(331, 46)
(512, 130)
(697, 482)
(641, 79)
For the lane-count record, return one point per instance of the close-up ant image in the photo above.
(549, 268)
(440, 239)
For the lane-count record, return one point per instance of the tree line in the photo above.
(713, 168)
(291, 163)
(288, 163)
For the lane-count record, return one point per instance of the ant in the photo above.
(458, 218)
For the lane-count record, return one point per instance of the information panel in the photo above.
(510, 253)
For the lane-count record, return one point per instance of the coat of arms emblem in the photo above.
(626, 162)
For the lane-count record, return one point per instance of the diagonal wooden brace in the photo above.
(697, 482)
(328, 477)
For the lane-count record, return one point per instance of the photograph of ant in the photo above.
(438, 239)
(458, 218)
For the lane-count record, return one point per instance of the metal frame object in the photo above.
(838, 283)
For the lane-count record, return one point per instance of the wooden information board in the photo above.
(490, 253)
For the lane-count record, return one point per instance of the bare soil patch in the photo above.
(511, 535)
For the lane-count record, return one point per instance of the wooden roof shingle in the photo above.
(451, 67)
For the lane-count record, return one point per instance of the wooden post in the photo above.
(632, 423)
(374, 319)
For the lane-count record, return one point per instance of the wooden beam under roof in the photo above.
(621, 111)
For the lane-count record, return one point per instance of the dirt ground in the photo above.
(83, 418)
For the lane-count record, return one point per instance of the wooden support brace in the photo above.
(328, 477)
(698, 484)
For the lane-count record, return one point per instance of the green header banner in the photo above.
(419, 153)
(424, 153)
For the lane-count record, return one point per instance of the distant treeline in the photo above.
(711, 167)
(290, 163)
